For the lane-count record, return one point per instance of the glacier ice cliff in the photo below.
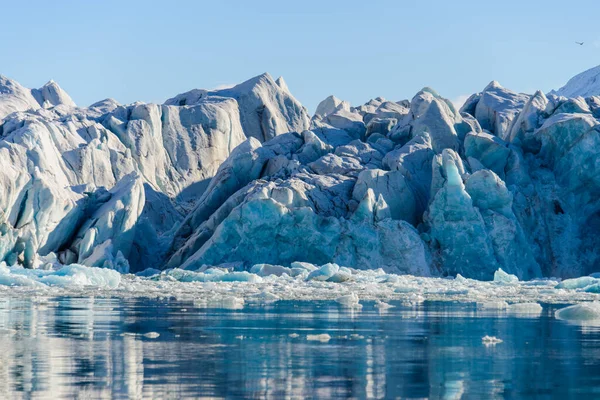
(245, 179)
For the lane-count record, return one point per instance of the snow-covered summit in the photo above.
(14, 97)
(585, 84)
(267, 107)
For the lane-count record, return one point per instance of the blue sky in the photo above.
(357, 50)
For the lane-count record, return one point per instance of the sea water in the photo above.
(120, 347)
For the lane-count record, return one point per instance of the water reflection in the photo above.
(86, 347)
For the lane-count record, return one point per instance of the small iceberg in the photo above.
(323, 337)
(502, 277)
(490, 340)
(580, 312)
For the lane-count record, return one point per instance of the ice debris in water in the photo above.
(224, 287)
(490, 340)
(580, 312)
(382, 305)
(323, 337)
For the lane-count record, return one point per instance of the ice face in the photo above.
(242, 178)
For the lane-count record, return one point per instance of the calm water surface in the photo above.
(107, 348)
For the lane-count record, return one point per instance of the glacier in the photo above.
(241, 184)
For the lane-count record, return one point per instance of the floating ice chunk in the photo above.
(350, 300)
(344, 274)
(593, 288)
(188, 276)
(324, 273)
(148, 272)
(268, 297)
(80, 275)
(72, 275)
(490, 340)
(210, 275)
(268, 269)
(580, 312)
(294, 335)
(382, 305)
(241, 276)
(492, 305)
(323, 337)
(151, 335)
(303, 265)
(577, 283)
(9, 278)
(502, 277)
(389, 279)
(301, 268)
(529, 309)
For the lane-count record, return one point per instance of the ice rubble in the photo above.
(243, 178)
(69, 277)
(229, 289)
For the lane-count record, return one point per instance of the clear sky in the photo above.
(357, 50)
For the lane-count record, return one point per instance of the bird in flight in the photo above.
(579, 43)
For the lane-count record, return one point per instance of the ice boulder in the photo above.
(497, 107)
(331, 105)
(266, 108)
(324, 273)
(436, 116)
(502, 277)
(14, 97)
(268, 269)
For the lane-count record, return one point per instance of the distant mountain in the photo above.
(585, 84)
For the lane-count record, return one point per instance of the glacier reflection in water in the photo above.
(95, 347)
